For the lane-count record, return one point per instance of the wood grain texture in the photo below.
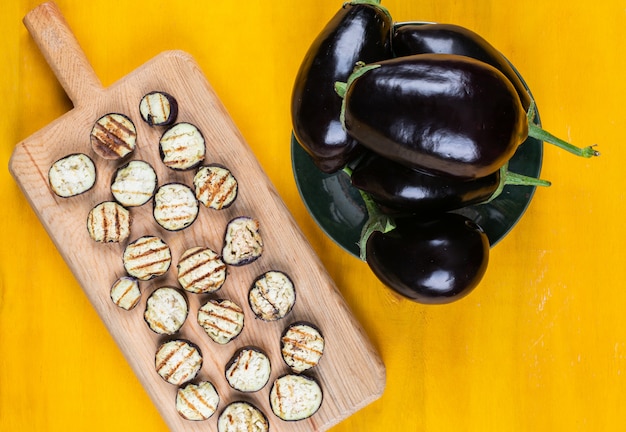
(351, 373)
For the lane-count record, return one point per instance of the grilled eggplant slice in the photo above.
(215, 186)
(242, 416)
(243, 243)
(166, 310)
(134, 184)
(175, 206)
(201, 270)
(178, 361)
(125, 292)
(158, 108)
(295, 397)
(272, 295)
(147, 257)
(113, 136)
(221, 319)
(182, 147)
(301, 346)
(248, 370)
(197, 402)
(72, 175)
(109, 222)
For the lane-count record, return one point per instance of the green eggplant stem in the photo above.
(342, 87)
(510, 178)
(376, 220)
(537, 132)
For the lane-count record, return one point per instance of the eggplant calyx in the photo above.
(376, 220)
(341, 88)
(537, 132)
(510, 178)
(375, 3)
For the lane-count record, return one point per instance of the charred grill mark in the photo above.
(175, 367)
(279, 397)
(302, 346)
(264, 294)
(150, 264)
(111, 140)
(174, 208)
(105, 223)
(194, 406)
(206, 275)
(117, 225)
(128, 290)
(169, 355)
(130, 192)
(190, 405)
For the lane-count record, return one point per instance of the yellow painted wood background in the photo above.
(540, 345)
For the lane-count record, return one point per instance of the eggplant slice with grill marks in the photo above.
(72, 175)
(301, 346)
(175, 206)
(215, 186)
(221, 319)
(248, 370)
(166, 310)
(182, 147)
(201, 270)
(178, 361)
(158, 108)
(109, 222)
(242, 416)
(134, 184)
(197, 402)
(272, 296)
(243, 243)
(295, 397)
(147, 257)
(125, 292)
(113, 136)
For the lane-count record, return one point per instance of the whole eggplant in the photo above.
(441, 113)
(430, 261)
(359, 31)
(399, 190)
(435, 38)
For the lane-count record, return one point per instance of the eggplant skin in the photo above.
(437, 38)
(302, 346)
(272, 295)
(248, 370)
(113, 136)
(72, 175)
(398, 189)
(357, 32)
(444, 114)
(158, 108)
(242, 416)
(243, 243)
(434, 261)
(295, 397)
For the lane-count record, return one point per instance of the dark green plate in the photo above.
(338, 209)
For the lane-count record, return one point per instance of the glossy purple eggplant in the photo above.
(441, 113)
(431, 261)
(359, 31)
(410, 39)
(399, 190)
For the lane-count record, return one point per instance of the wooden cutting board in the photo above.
(351, 373)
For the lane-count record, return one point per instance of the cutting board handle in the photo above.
(62, 51)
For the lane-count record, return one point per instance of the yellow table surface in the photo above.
(540, 345)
